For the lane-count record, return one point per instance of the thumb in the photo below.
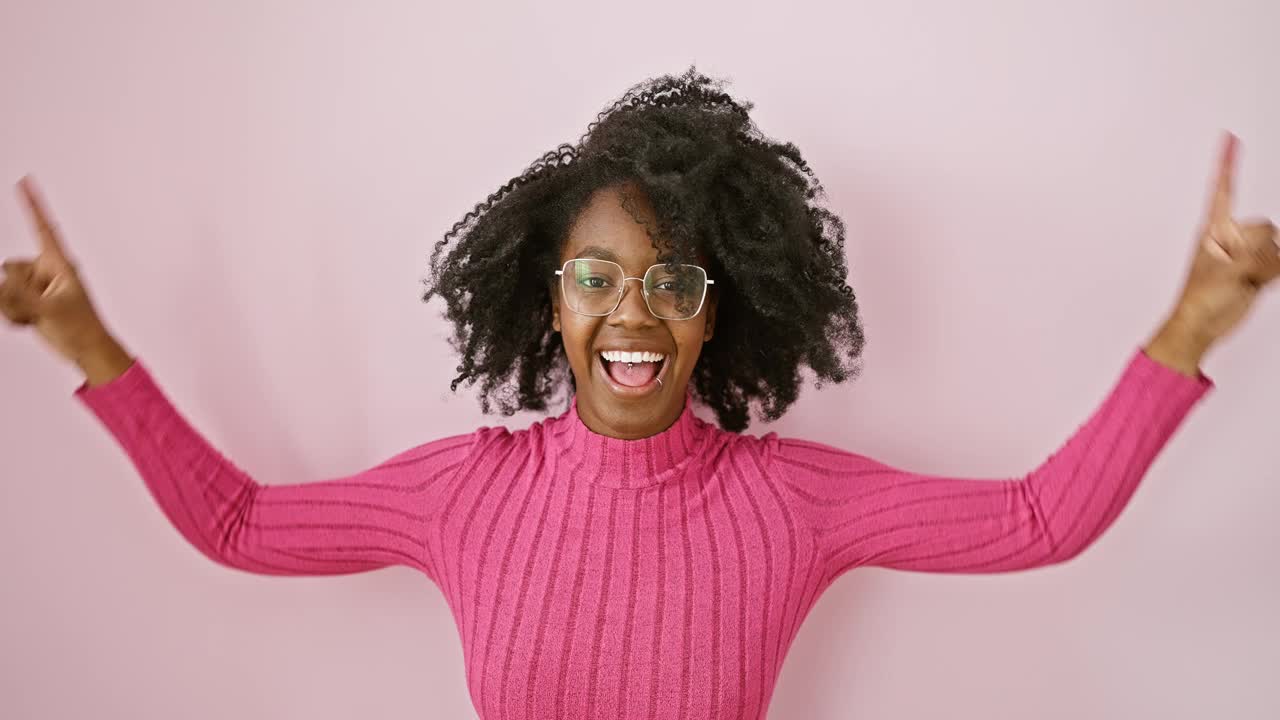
(1223, 241)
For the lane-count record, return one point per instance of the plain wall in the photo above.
(253, 189)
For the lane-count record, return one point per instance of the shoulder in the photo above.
(798, 457)
(442, 452)
(769, 447)
(501, 438)
(749, 451)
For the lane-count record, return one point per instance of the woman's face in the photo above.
(609, 402)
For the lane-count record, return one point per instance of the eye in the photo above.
(594, 282)
(668, 284)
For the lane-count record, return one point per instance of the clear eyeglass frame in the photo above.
(644, 288)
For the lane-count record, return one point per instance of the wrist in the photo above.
(1179, 345)
(92, 344)
(103, 360)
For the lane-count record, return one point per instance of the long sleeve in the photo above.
(864, 512)
(372, 519)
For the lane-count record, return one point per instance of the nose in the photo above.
(632, 311)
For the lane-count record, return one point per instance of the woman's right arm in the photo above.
(381, 516)
(372, 519)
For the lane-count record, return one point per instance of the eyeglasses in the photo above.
(594, 287)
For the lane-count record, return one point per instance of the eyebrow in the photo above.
(598, 252)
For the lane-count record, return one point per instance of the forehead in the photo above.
(606, 230)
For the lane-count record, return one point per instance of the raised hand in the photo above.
(46, 291)
(1234, 260)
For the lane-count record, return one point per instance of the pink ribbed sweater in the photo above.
(592, 577)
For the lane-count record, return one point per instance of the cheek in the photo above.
(688, 337)
(576, 332)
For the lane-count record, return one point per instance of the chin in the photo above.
(629, 411)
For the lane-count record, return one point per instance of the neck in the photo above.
(634, 428)
(630, 462)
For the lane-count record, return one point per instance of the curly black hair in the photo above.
(716, 185)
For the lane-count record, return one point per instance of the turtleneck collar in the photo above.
(629, 464)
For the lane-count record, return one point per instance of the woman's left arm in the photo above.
(864, 512)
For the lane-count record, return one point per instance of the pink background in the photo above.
(252, 190)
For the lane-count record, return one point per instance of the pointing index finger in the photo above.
(49, 241)
(1220, 208)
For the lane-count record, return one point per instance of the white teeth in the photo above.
(631, 357)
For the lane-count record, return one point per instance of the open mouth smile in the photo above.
(632, 374)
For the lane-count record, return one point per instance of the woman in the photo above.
(625, 558)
